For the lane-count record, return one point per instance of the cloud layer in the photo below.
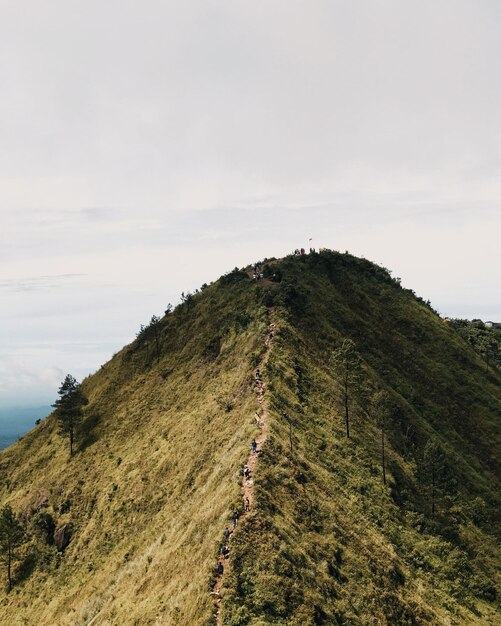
(146, 148)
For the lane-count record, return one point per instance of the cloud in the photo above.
(216, 101)
(35, 283)
(23, 382)
(146, 151)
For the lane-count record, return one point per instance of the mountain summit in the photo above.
(302, 442)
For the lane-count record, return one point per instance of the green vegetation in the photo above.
(486, 341)
(395, 524)
(332, 544)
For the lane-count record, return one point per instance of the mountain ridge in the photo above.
(168, 427)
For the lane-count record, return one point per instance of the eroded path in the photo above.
(247, 490)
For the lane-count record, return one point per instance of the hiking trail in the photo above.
(247, 488)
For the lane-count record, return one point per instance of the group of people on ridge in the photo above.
(257, 272)
(225, 550)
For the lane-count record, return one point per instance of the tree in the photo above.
(289, 421)
(155, 324)
(69, 407)
(187, 298)
(12, 535)
(347, 364)
(434, 465)
(486, 341)
(382, 405)
(152, 329)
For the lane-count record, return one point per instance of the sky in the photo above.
(148, 147)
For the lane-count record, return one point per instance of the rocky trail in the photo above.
(247, 489)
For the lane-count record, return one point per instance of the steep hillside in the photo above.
(333, 544)
(150, 489)
(168, 426)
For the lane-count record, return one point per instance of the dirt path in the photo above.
(248, 483)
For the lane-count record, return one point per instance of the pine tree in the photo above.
(154, 323)
(12, 535)
(69, 408)
(382, 405)
(347, 364)
(434, 466)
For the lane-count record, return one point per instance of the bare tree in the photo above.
(347, 364)
(12, 535)
(382, 405)
(434, 466)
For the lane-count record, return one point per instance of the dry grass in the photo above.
(151, 495)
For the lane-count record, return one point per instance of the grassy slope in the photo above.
(153, 485)
(332, 544)
(152, 488)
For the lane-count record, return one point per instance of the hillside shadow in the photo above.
(25, 568)
(88, 435)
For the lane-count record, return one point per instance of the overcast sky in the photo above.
(147, 147)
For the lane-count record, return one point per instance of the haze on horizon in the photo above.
(147, 148)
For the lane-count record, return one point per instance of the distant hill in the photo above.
(7, 440)
(143, 504)
(14, 422)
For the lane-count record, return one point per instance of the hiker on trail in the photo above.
(254, 445)
(247, 504)
(235, 518)
(225, 551)
(220, 568)
(227, 533)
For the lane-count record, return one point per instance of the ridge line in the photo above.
(249, 468)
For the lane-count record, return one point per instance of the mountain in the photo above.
(138, 513)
